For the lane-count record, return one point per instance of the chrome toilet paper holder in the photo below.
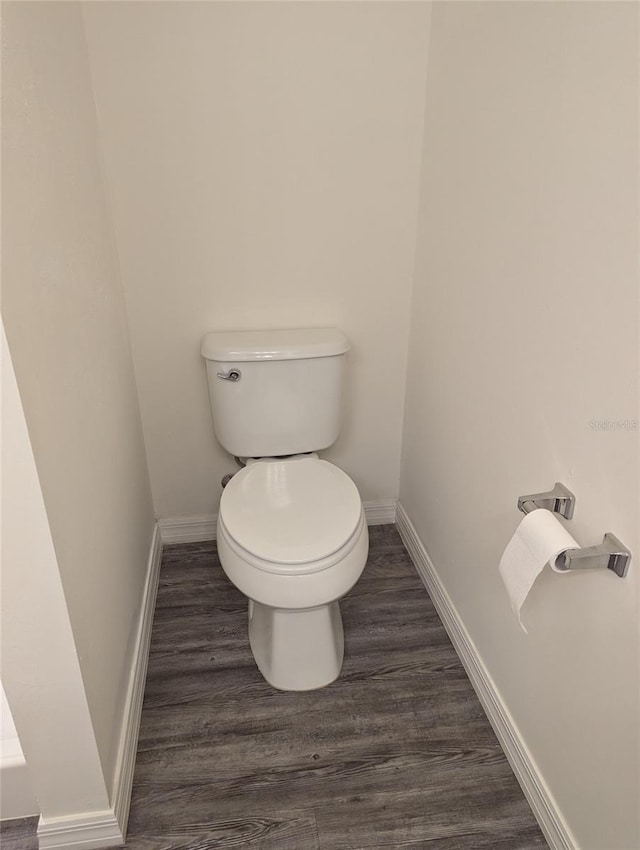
(611, 554)
(560, 500)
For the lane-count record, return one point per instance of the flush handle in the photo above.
(231, 375)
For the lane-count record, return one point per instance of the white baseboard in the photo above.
(542, 803)
(188, 529)
(196, 529)
(81, 832)
(126, 758)
(380, 513)
(108, 828)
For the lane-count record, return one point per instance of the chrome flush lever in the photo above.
(231, 375)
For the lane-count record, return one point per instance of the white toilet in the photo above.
(292, 534)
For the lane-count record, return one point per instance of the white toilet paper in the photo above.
(538, 540)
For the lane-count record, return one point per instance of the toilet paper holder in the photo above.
(560, 500)
(611, 554)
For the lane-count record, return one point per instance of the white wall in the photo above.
(65, 322)
(263, 165)
(524, 332)
(40, 668)
(17, 799)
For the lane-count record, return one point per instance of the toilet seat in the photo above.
(291, 516)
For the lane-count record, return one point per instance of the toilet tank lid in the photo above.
(285, 344)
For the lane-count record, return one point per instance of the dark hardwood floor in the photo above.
(396, 754)
(19, 834)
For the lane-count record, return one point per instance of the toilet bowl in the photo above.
(292, 536)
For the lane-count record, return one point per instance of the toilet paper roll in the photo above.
(537, 541)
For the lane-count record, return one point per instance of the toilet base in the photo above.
(297, 650)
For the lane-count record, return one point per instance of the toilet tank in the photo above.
(275, 392)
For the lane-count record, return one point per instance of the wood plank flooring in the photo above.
(19, 834)
(396, 754)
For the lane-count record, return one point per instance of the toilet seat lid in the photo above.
(291, 511)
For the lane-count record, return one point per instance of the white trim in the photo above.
(188, 529)
(543, 804)
(81, 832)
(108, 828)
(380, 513)
(128, 746)
(196, 529)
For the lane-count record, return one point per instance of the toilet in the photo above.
(291, 533)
